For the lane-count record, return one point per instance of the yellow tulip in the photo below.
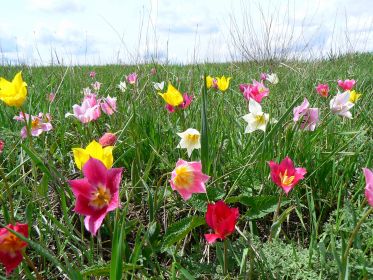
(13, 93)
(354, 96)
(223, 83)
(94, 150)
(209, 80)
(172, 97)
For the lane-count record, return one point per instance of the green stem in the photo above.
(225, 270)
(276, 213)
(354, 232)
(31, 264)
(10, 198)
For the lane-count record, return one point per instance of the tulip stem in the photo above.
(31, 264)
(353, 235)
(10, 198)
(275, 215)
(225, 270)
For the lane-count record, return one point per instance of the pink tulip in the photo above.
(132, 78)
(2, 145)
(97, 193)
(341, 105)
(323, 90)
(39, 124)
(92, 74)
(96, 86)
(187, 178)
(346, 84)
(285, 175)
(108, 139)
(256, 91)
(51, 97)
(109, 105)
(369, 185)
(263, 76)
(309, 116)
(187, 100)
(88, 111)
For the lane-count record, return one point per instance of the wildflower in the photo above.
(354, 96)
(272, 78)
(346, 84)
(88, 111)
(159, 86)
(39, 124)
(256, 91)
(122, 86)
(223, 83)
(108, 139)
(97, 193)
(96, 86)
(256, 119)
(187, 99)
(190, 140)
(11, 246)
(2, 145)
(211, 82)
(92, 74)
(93, 150)
(369, 185)
(340, 104)
(309, 116)
(153, 71)
(323, 90)
(285, 175)
(187, 178)
(172, 97)
(132, 78)
(51, 96)
(13, 93)
(222, 219)
(263, 76)
(109, 105)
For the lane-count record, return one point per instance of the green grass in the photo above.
(142, 235)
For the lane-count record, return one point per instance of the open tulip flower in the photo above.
(109, 105)
(172, 97)
(354, 96)
(222, 219)
(285, 175)
(159, 86)
(346, 84)
(308, 116)
(97, 193)
(223, 83)
(39, 124)
(190, 140)
(187, 178)
(256, 119)
(88, 111)
(272, 78)
(132, 78)
(122, 86)
(11, 246)
(322, 90)
(369, 185)
(93, 150)
(256, 91)
(211, 82)
(341, 105)
(13, 93)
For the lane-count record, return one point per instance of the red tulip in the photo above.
(11, 246)
(222, 219)
(285, 175)
(108, 139)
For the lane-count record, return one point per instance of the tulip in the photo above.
(285, 175)
(92, 74)
(11, 246)
(256, 119)
(346, 84)
(369, 185)
(340, 104)
(96, 86)
(309, 116)
(39, 124)
(2, 145)
(172, 97)
(97, 193)
(13, 93)
(256, 91)
(122, 86)
(93, 150)
(354, 96)
(187, 178)
(223, 83)
(323, 90)
(159, 86)
(190, 140)
(222, 219)
(272, 78)
(109, 105)
(108, 139)
(132, 78)
(88, 111)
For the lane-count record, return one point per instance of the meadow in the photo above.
(319, 229)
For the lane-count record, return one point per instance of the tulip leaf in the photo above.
(259, 206)
(276, 226)
(180, 229)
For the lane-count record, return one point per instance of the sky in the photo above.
(44, 32)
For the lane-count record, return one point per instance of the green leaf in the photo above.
(276, 226)
(180, 229)
(259, 206)
(204, 130)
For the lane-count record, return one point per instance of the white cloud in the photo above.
(56, 6)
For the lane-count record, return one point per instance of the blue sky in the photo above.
(114, 31)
